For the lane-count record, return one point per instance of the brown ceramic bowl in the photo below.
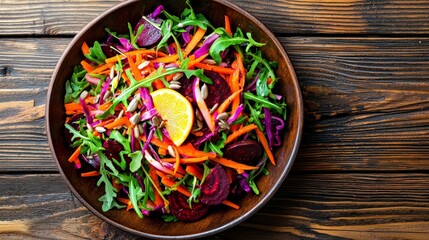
(223, 218)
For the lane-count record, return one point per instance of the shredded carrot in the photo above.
(88, 67)
(101, 69)
(116, 185)
(167, 59)
(158, 84)
(189, 151)
(242, 70)
(162, 151)
(73, 107)
(230, 204)
(134, 53)
(139, 59)
(228, 26)
(126, 201)
(222, 108)
(194, 171)
(105, 106)
(187, 160)
(118, 122)
(169, 183)
(240, 132)
(85, 48)
(75, 154)
(90, 174)
(154, 177)
(177, 162)
(134, 69)
(193, 62)
(231, 164)
(194, 41)
(235, 86)
(264, 143)
(229, 174)
(214, 68)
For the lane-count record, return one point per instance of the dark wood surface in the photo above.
(363, 167)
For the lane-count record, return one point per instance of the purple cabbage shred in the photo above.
(86, 111)
(204, 49)
(268, 128)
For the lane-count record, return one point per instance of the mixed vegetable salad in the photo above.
(174, 116)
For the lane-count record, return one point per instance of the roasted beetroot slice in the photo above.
(186, 89)
(150, 35)
(247, 152)
(219, 91)
(179, 207)
(215, 188)
(113, 149)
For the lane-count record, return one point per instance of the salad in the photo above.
(174, 116)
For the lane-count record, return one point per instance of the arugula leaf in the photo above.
(226, 41)
(75, 86)
(169, 218)
(261, 84)
(136, 160)
(264, 102)
(206, 173)
(117, 136)
(195, 193)
(115, 34)
(108, 198)
(96, 54)
(133, 197)
(134, 37)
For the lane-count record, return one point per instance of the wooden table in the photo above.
(363, 167)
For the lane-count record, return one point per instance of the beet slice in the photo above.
(186, 89)
(248, 152)
(150, 34)
(219, 91)
(215, 188)
(179, 207)
(113, 149)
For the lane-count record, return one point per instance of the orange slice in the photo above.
(177, 111)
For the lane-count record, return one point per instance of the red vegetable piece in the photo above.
(215, 188)
(150, 34)
(248, 152)
(219, 91)
(179, 208)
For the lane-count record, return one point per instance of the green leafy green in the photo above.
(75, 86)
(96, 54)
(133, 188)
(136, 160)
(226, 41)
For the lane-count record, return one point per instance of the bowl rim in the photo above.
(272, 190)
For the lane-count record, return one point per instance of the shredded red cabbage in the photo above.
(92, 80)
(204, 49)
(186, 35)
(157, 11)
(126, 45)
(268, 129)
(236, 115)
(86, 111)
(104, 89)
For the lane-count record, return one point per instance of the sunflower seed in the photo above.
(175, 82)
(97, 98)
(204, 91)
(143, 65)
(224, 124)
(175, 86)
(107, 95)
(140, 127)
(198, 115)
(171, 151)
(200, 124)
(136, 132)
(112, 72)
(89, 127)
(121, 113)
(133, 104)
(209, 61)
(180, 25)
(177, 76)
(84, 94)
(135, 119)
(100, 129)
(156, 121)
(213, 109)
(150, 56)
(115, 82)
(222, 116)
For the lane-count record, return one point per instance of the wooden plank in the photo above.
(55, 17)
(366, 100)
(328, 206)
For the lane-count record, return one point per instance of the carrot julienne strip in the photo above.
(240, 132)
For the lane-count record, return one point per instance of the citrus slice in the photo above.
(177, 111)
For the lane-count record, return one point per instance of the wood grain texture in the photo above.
(313, 206)
(366, 100)
(55, 17)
